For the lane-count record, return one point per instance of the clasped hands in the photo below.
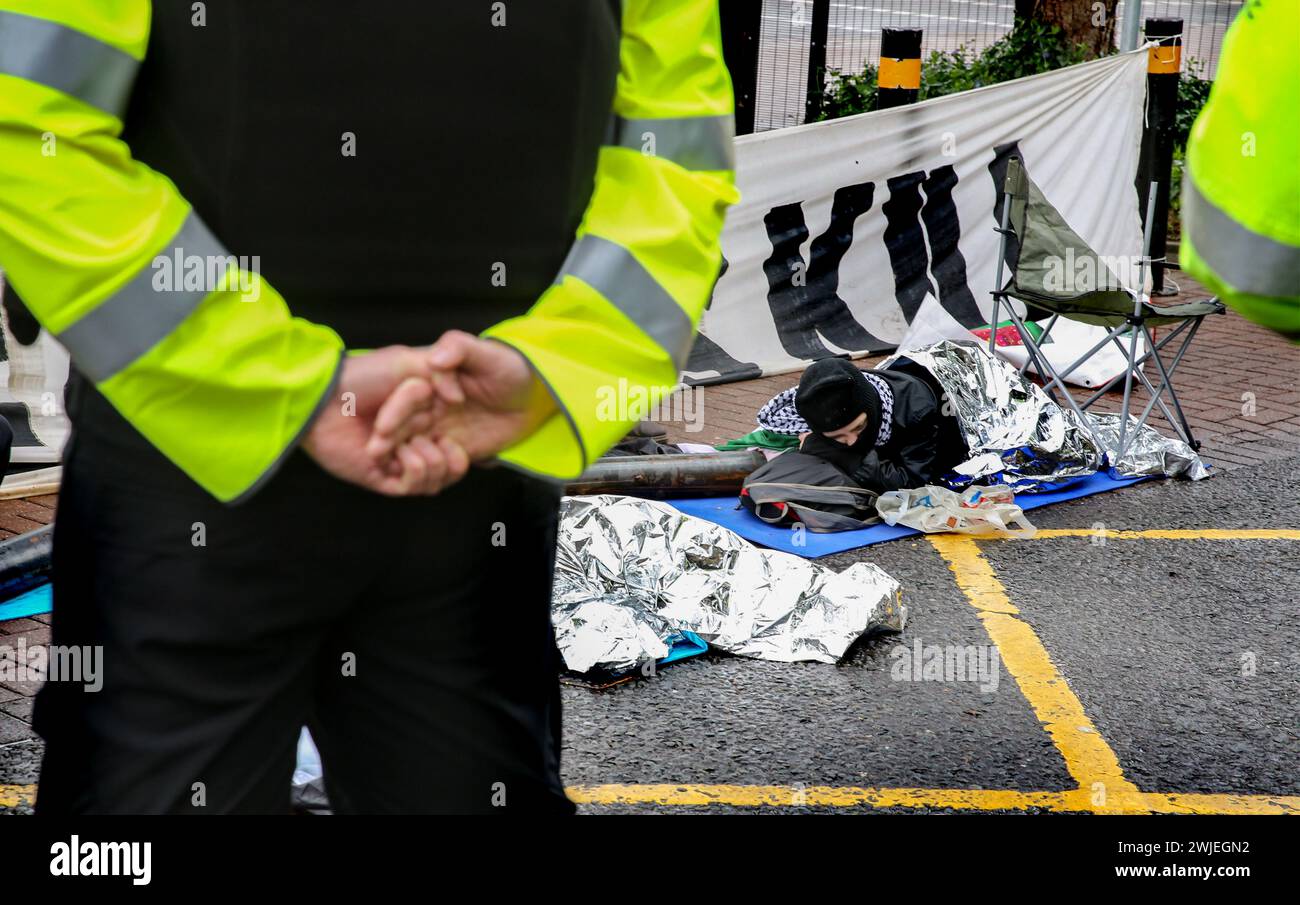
(406, 421)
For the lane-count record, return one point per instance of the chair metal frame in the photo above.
(1134, 323)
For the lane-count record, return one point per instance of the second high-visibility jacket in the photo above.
(208, 203)
(1241, 187)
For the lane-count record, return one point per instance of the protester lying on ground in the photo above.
(885, 429)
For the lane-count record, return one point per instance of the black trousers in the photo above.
(412, 636)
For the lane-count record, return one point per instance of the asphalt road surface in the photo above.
(1136, 672)
(1124, 670)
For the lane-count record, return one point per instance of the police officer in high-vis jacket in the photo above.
(218, 208)
(1241, 188)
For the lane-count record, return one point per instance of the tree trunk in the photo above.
(1087, 22)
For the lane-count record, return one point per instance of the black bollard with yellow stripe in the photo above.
(899, 79)
(1164, 63)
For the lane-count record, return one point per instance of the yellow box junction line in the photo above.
(1089, 759)
(839, 796)
(1169, 534)
(12, 796)
(688, 795)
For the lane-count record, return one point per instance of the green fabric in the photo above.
(764, 439)
(1155, 315)
(1053, 256)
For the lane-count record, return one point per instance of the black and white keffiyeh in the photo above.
(780, 416)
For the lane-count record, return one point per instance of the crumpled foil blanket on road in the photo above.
(1018, 436)
(630, 574)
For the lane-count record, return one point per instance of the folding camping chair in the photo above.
(1043, 243)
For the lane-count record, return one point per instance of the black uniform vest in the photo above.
(474, 148)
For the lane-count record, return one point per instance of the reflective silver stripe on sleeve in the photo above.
(1247, 261)
(693, 142)
(66, 60)
(138, 316)
(610, 269)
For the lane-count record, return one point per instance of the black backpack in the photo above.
(796, 487)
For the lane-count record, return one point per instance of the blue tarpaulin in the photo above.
(30, 603)
(727, 512)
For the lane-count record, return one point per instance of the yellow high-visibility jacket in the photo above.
(207, 361)
(1241, 187)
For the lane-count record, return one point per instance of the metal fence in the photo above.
(1204, 24)
(853, 39)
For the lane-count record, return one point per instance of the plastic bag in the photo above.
(977, 510)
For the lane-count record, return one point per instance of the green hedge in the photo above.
(1029, 49)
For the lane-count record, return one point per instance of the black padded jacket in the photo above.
(924, 442)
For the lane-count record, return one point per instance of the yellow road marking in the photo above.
(1193, 803)
(815, 796)
(1088, 758)
(845, 797)
(1170, 534)
(11, 796)
(689, 795)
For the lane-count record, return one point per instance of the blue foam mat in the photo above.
(726, 511)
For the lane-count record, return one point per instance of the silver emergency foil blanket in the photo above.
(1018, 436)
(1149, 453)
(632, 573)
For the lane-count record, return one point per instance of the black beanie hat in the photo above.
(832, 393)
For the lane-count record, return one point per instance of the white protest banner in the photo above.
(847, 228)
